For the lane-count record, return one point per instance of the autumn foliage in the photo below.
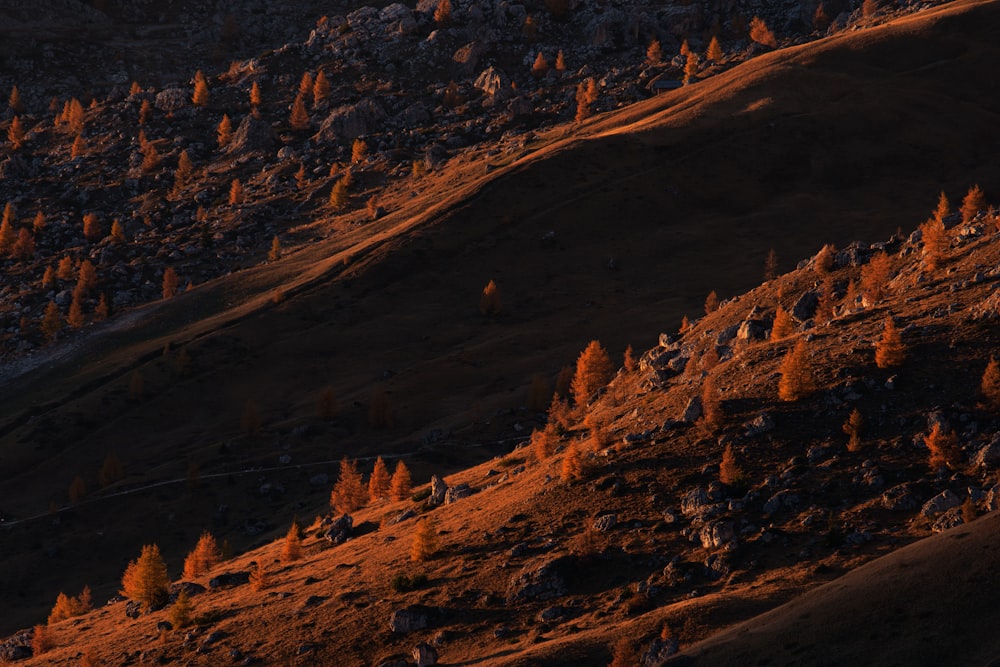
(378, 483)
(990, 385)
(291, 548)
(349, 493)
(203, 558)
(401, 483)
(489, 302)
(593, 371)
(760, 33)
(425, 543)
(942, 448)
(796, 374)
(145, 579)
(889, 350)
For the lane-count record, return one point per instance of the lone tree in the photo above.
(586, 95)
(321, 88)
(974, 202)
(203, 557)
(224, 132)
(291, 549)
(889, 350)
(711, 303)
(299, 118)
(654, 54)
(760, 33)
(349, 493)
(797, 379)
(874, 277)
(852, 427)
(378, 483)
(593, 371)
(489, 302)
(729, 471)
(782, 327)
(200, 96)
(942, 448)
(145, 579)
(170, 282)
(401, 484)
(572, 465)
(935, 242)
(442, 15)
(714, 52)
(425, 543)
(711, 403)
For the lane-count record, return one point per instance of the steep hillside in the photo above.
(602, 231)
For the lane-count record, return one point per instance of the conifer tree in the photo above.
(235, 192)
(52, 321)
(321, 88)
(560, 62)
(41, 640)
(145, 111)
(339, 195)
(111, 471)
(691, 68)
(16, 133)
(259, 579)
(255, 96)
(783, 326)
(711, 403)
(75, 318)
(306, 86)
(291, 549)
(200, 96)
(170, 283)
(796, 374)
(654, 53)
(224, 132)
(91, 227)
(543, 442)
(78, 147)
(826, 302)
(489, 302)
(425, 544)
(299, 117)
(24, 246)
(379, 482)
(825, 258)
(15, 103)
(540, 67)
(889, 350)
(973, 203)
(203, 557)
(442, 15)
(586, 95)
(102, 310)
(184, 169)
(572, 465)
(990, 385)
(359, 150)
(714, 52)
(711, 303)
(771, 265)
(943, 209)
(874, 277)
(117, 232)
(852, 427)
(935, 241)
(629, 361)
(8, 237)
(729, 471)
(593, 371)
(349, 493)
(38, 224)
(685, 48)
(274, 254)
(326, 405)
(145, 579)
(180, 612)
(942, 448)
(62, 610)
(760, 33)
(400, 485)
(624, 654)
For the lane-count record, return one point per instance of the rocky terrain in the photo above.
(690, 492)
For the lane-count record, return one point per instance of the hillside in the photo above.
(611, 230)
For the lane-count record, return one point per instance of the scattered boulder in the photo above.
(398, 19)
(988, 456)
(172, 99)
(716, 534)
(899, 498)
(457, 492)
(425, 654)
(229, 579)
(658, 651)
(605, 522)
(781, 500)
(540, 582)
(352, 121)
(493, 83)
(948, 519)
(940, 503)
(253, 134)
(409, 619)
(133, 609)
(340, 530)
(438, 490)
(693, 410)
(805, 307)
(188, 587)
(759, 425)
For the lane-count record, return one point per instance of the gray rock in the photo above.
(253, 134)
(540, 582)
(694, 502)
(752, 330)
(188, 587)
(173, 99)
(467, 58)
(805, 307)
(989, 455)
(425, 654)
(352, 121)
(228, 579)
(493, 83)
(340, 530)
(948, 519)
(693, 410)
(409, 619)
(550, 614)
(659, 651)
(398, 19)
(320, 479)
(993, 498)
(760, 424)
(438, 490)
(899, 498)
(133, 609)
(716, 534)
(781, 500)
(605, 522)
(457, 492)
(940, 503)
